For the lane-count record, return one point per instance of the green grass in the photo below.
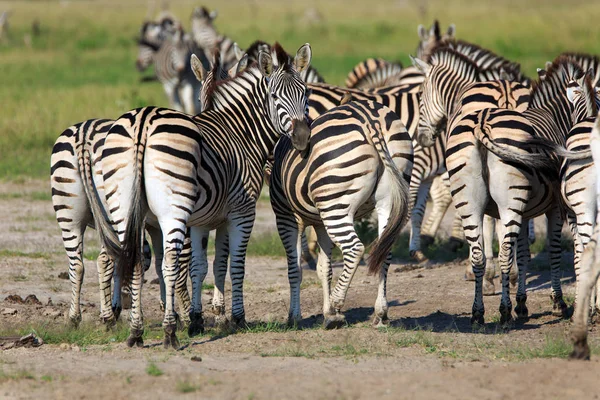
(266, 245)
(13, 253)
(153, 370)
(185, 386)
(82, 64)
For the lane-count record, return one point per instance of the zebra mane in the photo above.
(587, 61)
(448, 56)
(216, 85)
(562, 70)
(255, 48)
(483, 56)
(200, 12)
(283, 59)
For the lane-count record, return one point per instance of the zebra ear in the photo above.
(451, 31)
(573, 91)
(303, 58)
(422, 33)
(541, 74)
(421, 65)
(241, 65)
(197, 68)
(239, 53)
(213, 14)
(265, 63)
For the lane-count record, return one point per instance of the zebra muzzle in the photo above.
(300, 134)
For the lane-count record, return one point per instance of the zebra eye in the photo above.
(274, 96)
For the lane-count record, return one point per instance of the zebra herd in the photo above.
(462, 121)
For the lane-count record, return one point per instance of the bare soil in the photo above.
(429, 350)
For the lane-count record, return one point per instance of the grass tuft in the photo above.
(153, 370)
(186, 387)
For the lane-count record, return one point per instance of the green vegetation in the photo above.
(186, 387)
(81, 65)
(13, 253)
(266, 244)
(153, 370)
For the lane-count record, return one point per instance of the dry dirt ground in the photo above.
(429, 351)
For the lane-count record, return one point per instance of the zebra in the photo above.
(360, 160)
(450, 98)
(590, 266)
(203, 172)
(372, 73)
(206, 37)
(165, 44)
(75, 163)
(578, 180)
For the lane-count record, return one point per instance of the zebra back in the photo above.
(206, 37)
(587, 62)
(372, 73)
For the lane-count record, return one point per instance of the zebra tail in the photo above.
(560, 151)
(131, 248)
(108, 237)
(399, 189)
(538, 161)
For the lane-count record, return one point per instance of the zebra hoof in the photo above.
(135, 338)
(170, 340)
(380, 322)
(109, 322)
(334, 321)
(581, 350)
(426, 240)
(116, 312)
(506, 320)
(239, 322)
(477, 320)
(418, 256)
(488, 288)
(522, 312)
(74, 321)
(293, 321)
(196, 326)
(560, 309)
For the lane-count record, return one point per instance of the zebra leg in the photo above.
(441, 199)
(555, 223)
(239, 227)
(506, 258)
(291, 233)
(181, 290)
(136, 316)
(157, 239)
(381, 304)
(489, 288)
(307, 254)
(105, 274)
(531, 228)
(220, 273)
(311, 237)
(589, 274)
(523, 259)
(416, 220)
(198, 271)
(324, 271)
(76, 270)
(117, 306)
(344, 236)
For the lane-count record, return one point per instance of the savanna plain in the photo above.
(80, 65)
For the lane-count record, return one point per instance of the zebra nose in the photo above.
(300, 134)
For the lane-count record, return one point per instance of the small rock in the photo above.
(196, 358)
(74, 347)
(154, 281)
(397, 269)
(365, 281)
(9, 311)
(53, 313)
(419, 276)
(32, 299)
(14, 298)
(49, 302)
(63, 275)
(65, 346)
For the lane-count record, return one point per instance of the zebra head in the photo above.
(152, 36)
(429, 40)
(204, 32)
(431, 113)
(287, 95)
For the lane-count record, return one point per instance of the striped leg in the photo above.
(309, 243)
(416, 219)
(136, 316)
(324, 271)
(181, 290)
(198, 271)
(342, 233)
(220, 273)
(531, 235)
(506, 258)
(441, 199)
(555, 223)
(76, 270)
(290, 233)
(239, 227)
(523, 259)
(105, 267)
(157, 238)
(490, 267)
(381, 304)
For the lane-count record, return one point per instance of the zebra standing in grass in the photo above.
(76, 171)
(359, 160)
(590, 264)
(165, 45)
(206, 37)
(520, 185)
(204, 172)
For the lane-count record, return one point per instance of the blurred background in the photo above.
(62, 62)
